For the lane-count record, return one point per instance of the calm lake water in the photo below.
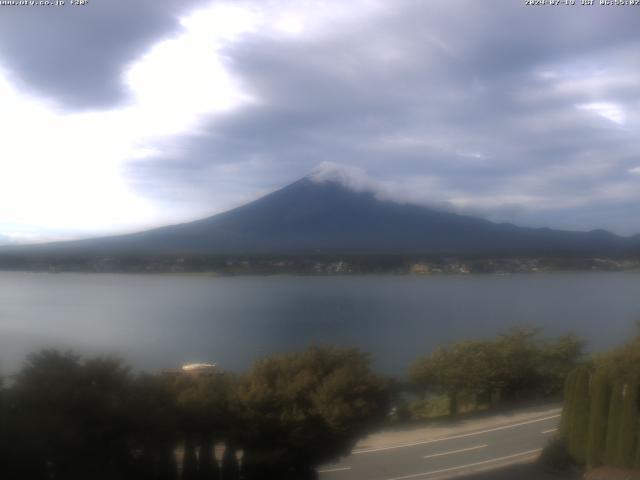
(163, 321)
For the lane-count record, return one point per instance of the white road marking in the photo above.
(551, 430)
(464, 435)
(340, 469)
(478, 447)
(461, 467)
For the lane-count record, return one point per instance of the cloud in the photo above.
(526, 115)
(486, 121)
(353, 178)
(609, 111)
(75, 55)
(64, 168)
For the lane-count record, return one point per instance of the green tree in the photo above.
(567, 410)
(579, 428)
(558, 357)
(207, 412)
(207, 465)
(154, 415)
(636, 460)
(189, 459)
(518, 366)
(515, 366)
(464, 367)
(613, 423)
(600, 397)
(628, 426)
(75, 414)
(622, 363)
(230, 469)
(309, 408)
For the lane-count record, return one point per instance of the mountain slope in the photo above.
(310, 217)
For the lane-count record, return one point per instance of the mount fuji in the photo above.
(333, 212)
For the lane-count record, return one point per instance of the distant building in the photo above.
(420, 268)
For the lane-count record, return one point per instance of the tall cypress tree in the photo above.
(628, 426)
(569, 387)
(598, 415)
(636, 461)
(579, 428)
(613, 423)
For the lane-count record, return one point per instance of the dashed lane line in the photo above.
(340, 469)
(477, 447)
(469, 465)
(464, 435)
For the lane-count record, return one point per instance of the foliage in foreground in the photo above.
(515, 366)
(601, 411)
(555, 456)
(67, 418)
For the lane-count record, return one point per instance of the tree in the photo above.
(628, 426)
(154, 413)
(230, 469)
(512, 367)
(75, 415)
(206, 412)
(463, 367)
(557, 357)
(207, 465)
(622, 363)
(579, 428)
(613, 423)
(567, 410)
(519, 362)
(600, 397)
(309, 408)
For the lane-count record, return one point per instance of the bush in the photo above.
(555, 456)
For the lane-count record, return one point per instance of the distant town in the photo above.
(313, 265)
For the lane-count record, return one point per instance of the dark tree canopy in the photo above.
(64, 417)
(514, 366)
(310, 407)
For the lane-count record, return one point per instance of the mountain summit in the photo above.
(334, 211)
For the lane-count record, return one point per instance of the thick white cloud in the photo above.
(612, 112)
(64, 172)
(240, 97)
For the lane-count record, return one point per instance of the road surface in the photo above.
(460, 452)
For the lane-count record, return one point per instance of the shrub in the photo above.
(555, 455)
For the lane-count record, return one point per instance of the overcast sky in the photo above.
(120, 115)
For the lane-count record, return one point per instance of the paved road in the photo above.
(450, 456)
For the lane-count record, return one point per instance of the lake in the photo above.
(159, 321)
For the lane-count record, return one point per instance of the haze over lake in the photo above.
(163, 321)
